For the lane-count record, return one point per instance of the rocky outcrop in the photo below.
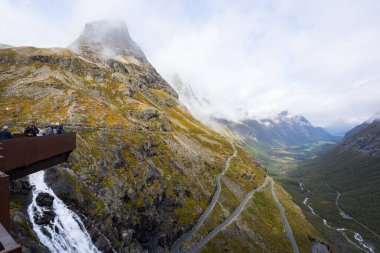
(67, 61)
(45, 201)
(364, 138)
(106, 39)
(109, 43)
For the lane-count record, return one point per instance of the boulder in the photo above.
(46, 218)
(45, 200)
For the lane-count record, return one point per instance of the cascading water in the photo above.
(66, 232)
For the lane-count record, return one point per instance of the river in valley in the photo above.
(352, 237)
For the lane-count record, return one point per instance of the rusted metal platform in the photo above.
(22, 156)
(7, 244)
(4, 200)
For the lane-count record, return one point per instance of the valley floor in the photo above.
(320, 207)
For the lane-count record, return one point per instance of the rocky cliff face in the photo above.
(364, 138)
(144, 169)
(102, 40)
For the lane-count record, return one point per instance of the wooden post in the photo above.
(4, 201)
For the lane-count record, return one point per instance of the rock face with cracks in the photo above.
(144, 169)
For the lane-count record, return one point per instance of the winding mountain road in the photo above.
(288, 229)
(176, 247)
(227, 222)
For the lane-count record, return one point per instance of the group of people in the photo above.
(54, 129)
(31, 130)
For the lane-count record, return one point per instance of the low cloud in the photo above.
(319, 59)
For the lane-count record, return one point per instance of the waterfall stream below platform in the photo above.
(57, 227)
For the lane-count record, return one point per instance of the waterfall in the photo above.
(65, 232)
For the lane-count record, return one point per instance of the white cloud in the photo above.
(315, 58)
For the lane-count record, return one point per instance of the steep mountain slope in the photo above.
(352, 170)
(144, 169)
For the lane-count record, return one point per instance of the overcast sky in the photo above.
(319, 58)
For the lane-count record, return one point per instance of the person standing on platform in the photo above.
(5, 134)
(31, 130)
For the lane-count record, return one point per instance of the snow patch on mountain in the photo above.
(285, 118)
(267, 123)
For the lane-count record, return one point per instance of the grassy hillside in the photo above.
(351, 169)
(356, 176)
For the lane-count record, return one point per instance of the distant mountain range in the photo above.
(282, 130)
(278, 142)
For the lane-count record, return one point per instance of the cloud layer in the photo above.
(320, 59)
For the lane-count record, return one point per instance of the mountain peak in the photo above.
(283, 114)
(106, 39)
